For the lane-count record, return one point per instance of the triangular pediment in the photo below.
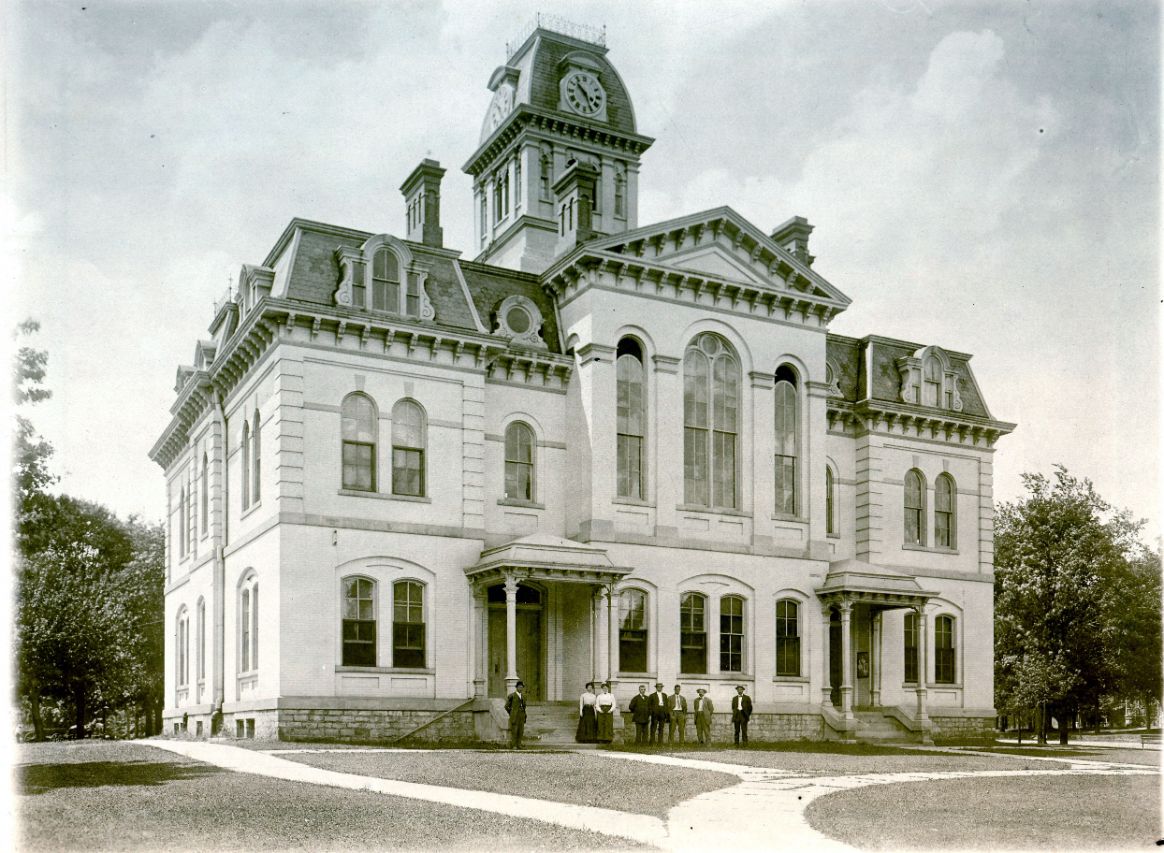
(721, 244)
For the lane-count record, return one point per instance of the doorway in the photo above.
(530, 664)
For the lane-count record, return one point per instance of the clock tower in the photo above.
(557, 103)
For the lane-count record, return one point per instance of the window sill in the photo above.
(716, 676)
(791, 679)
(250, 510)
(708, 510)
(833, 535)
(249, 677)
(910, 546)
(381, 496)
(526, 504)
(632, 502)
(390, 670)
(781, 516)
(912, 685)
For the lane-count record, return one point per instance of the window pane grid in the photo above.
(787, 638)
(632, 636)
(910, 648)
(944, 650)
(731, 634)
(408, 627)
(692, 634)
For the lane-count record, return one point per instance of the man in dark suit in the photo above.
(741, 712)
(678, 708)
(657, 704)
(515, 707)
(641, 714)
(704, 709)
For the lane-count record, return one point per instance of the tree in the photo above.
(1068, 599)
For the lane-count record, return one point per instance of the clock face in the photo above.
(501, 107)
(584, 93)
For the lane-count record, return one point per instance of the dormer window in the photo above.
(382, 276)
(385, 281)
(929, 378)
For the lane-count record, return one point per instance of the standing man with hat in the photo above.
(657, 705)
(741, 712)
(515, 707)
(678, 708)
(704, 708)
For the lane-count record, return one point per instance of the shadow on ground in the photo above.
(41, 778)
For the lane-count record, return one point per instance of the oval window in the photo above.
(518, 320)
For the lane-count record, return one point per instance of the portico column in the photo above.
(875, 673)
(846, 659)
(826, 691)
(479, 650)
(922, 671)
(611, 636)
(510, 633)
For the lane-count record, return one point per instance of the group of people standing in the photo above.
(596, 714)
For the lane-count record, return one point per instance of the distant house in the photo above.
(399, 480)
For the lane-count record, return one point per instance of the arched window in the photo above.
(632, 631)
(182, 659)
(731, 634)
(359, 622)
(358, 429)
(631, 419)
(256, 456)
(517, 183)
(620, 194)
(519, 462)
(408, 624)
(944, 650)
(831, 527)
(385, 281)
(546, 179)
(248, 624)
(711, 399)
(787, 637)
(786, 440)
(693, 633)
(945, 504)
(915, 508)
(205, 494)
(408, 444)
(200, 642)
(909, 648)
(932, 382)
(245, 447)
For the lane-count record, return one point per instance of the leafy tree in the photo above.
(1065, 592)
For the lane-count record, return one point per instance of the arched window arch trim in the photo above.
(832, 500)
(368, 285)
(789, 407)
(409, 448)
(359, 620)
(182, 648)
(411, 623)
(632, 418)
(200, 640)
(245, 449)
(520, 458)
(359, 443)
(247, 623)
(945, 660)
(945, 512)
(256, 458)
(713, 408)
(914, 508)
(634, 629)
(791, 634)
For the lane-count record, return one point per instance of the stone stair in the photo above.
(878, 727)
(551, 724)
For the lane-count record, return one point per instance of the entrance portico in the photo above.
(555, 597)
(854, 596)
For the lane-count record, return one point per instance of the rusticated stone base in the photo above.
(962, 728)
(761, 727)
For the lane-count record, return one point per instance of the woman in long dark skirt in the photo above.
(587, 721)
(606, 706)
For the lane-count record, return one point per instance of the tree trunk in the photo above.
(1042, 723)
(79, 696)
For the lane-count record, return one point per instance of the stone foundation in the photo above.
(375, 725)
(761, 727)
(961, 728)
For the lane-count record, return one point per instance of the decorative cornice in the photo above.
(908, 421)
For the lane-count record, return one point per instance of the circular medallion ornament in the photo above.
(584, 93)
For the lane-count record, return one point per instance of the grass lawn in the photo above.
(110, 795)
(1067, 812)
(1148, 757)
(564, 777)
(842, 759)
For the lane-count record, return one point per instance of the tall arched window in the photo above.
(358, 429)
(408, 445)
(519, 462)
(408, 624)
(945, 503)
(787, 637)
(909, 647)
(256, 457)
(359, 623)
(831, 527)
(620, 194)
(932, 382)
(944, 668)
(182, 521)
(786, 440)
(546, 178)
(182, 660)
(248, 625)
(631, 419)
(385, 281)
(632, 631)
(200, 642)
(205, 494)
(711, 399)
(245, 447)
(731, 634)
(693, 633)
(915, 508)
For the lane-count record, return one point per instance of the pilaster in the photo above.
(473, 453)
(666, 441)
(871, 499)
(762, 415)
(288, 428)
(985, 515)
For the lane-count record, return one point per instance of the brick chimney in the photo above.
(574, 205)
(422, 203)
(793, 236)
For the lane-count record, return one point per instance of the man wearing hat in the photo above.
(640, 713)
(703, 711)
(741, 713)
(657, 705)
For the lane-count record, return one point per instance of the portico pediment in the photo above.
(545, 557)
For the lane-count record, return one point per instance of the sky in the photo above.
(981, 175)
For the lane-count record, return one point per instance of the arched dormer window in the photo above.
(408, 449)
(380, 276)
(245, 447)
(711, 401)
(631, 419)
(915, 508)
(385, 285)
(787, 441)
(632, 631)
(358, 442)
(931, 382)
(519, 462)
(945, 512)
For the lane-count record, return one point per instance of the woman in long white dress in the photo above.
(606, 706)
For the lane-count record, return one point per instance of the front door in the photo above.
(529, 650)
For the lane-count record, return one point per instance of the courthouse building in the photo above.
(401, 476)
